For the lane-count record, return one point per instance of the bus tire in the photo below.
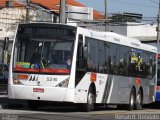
(33, 105)
(87, 107)
(131, 100)
(139, 100)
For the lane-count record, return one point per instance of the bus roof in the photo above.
(117, 38)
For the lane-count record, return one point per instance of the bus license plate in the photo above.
(41, 90)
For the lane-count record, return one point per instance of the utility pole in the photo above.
(106, 4)
(62, 18)
(27, 10)
(10, 3)
(158, 24)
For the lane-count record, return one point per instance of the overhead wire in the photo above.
(152, 19)
(129, 3)
(154, 1)
(144, 18)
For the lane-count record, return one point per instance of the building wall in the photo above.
(141, 31)
(11, 17)
(120, 29)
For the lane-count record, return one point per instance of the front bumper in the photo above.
(56, 94)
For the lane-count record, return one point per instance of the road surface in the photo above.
(18, 110)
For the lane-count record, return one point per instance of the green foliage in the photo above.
(125, 18)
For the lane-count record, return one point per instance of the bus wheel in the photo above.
(33, 105)
(131, 100)
(87, 107)
(139, 100)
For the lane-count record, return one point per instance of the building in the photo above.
(13, 12)
(142, 31)
(145, 32)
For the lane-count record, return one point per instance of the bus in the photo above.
(69, 64)
(158, 81)
(154, 43)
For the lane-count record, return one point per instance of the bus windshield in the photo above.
(43, 49)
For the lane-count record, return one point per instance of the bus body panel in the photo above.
(47, 81)
(49, 94)
(113, 89)
(110, 88)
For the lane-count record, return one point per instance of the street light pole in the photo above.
(10, 3)
(27, 10)
(105, 3)
(158, 24)
(62, 18)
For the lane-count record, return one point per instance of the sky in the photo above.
(149, 8)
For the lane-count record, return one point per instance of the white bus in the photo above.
(68, 64)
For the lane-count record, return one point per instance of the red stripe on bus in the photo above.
(45, 70)
(26, 69)
(54, 70)
(158, 55)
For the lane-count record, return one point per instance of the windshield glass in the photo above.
(44, 49)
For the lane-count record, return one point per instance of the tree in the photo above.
(126, 17)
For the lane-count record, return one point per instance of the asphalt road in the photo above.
(18, 110)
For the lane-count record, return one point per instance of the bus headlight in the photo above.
(64, 83)
(17, 79)
(16, 82)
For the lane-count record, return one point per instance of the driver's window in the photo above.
(80, 54)
(81, 61)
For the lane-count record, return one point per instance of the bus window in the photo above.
(92, 60)
(81, 61)
(147, 64)
(123, 60)
(101, 57)
(114, 52)
(36, 55)
(60, 56)
(136, 61)
(43, 49)
(108, 58)
(153, 61)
